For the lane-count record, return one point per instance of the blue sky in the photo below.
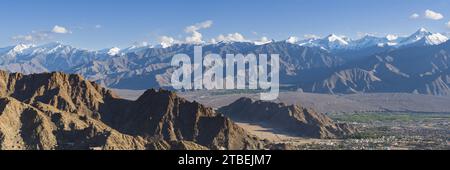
(96, 24)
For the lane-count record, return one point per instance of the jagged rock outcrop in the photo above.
(162, 113)
(292, 119)
(62, 111)
(44, 127)
(66, 92)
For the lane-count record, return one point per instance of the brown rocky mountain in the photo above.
(62, 111)
(350, 81)
(292, 119)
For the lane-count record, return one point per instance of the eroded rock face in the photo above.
(62, 111)
(293, 119)
(163, 114)
(66, 92)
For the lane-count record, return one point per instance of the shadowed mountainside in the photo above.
(417, 69)
(293, 119)
(62, 111)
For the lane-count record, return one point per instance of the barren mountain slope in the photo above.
(62, 111)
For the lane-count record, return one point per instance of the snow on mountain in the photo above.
(262, 41)
(368, 41)
(12, 50)
(435, 39)
(50, 48)
(337, 39)
(137, 47)
(8, 54)
(331, 42)
(423, 37)
(307, 42)
(43, 58)
(109, 51)
(21, 47)
(143, 66)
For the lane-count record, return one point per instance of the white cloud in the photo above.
(363, 34)
(167, 41)
(38, 36)
(429, 14)
(292, 40)
(60, 30)
(448, 24)
(98, 26)
(33, 37)
(391, 37)
(311, 36)
(414, 16)
(198, 26)
(234, 37)
(141, 44)
(23, 37)
(196, 36)
(113, 51)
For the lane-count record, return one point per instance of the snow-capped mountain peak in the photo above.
(367, 41)
(10, 53)
(422, 32)
(422, 29)
(423, 37)
(136, 48)
(330, 42)
(49, 48)
(16, 49)
(21, 47)
(337, 39)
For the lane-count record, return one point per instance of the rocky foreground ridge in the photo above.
(65, 111)
(62, 111)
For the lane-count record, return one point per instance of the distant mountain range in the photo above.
(418, 63)
(421, 37)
